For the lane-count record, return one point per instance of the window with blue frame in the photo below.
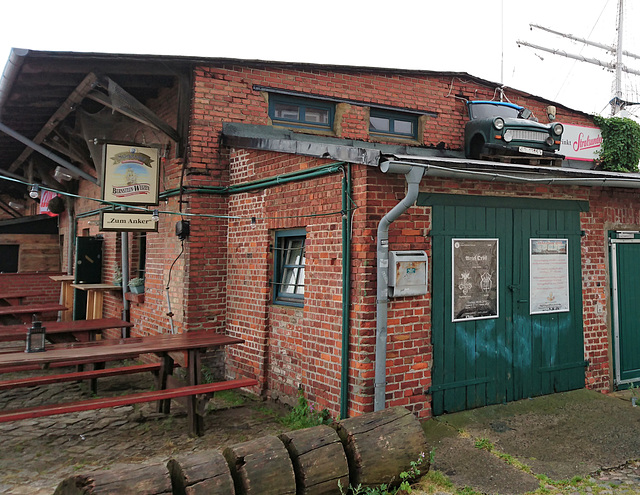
(301, 112)
(393, 124)
(289, 266)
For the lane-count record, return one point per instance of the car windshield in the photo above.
(490, 110)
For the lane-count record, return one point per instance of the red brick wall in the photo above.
(44, 289)
(221, 280)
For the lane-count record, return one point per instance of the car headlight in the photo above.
(498, 123)
(550, 141)
(558, 129)
(508, 136)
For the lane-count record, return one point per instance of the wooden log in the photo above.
(205, 473)
(150, 479)
(261, 467)
(381, 445)
(318, 458)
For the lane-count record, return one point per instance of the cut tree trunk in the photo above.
(318, 460)
(261, 467)
(142, 480)
(381, 445)
(205, 473)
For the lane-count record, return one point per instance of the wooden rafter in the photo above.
(65, 109)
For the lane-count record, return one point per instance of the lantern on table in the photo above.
(35, 336)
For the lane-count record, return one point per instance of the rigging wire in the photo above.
(573, 66)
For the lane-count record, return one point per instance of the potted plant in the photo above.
(136, 285)
(117, 279)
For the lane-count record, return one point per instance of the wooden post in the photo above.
(318, 460)
(261, 467)
(381, 445)
(151, 479)
(201, 473)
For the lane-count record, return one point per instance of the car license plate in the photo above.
(530, 151)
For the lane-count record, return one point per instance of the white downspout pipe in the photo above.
(413, 175)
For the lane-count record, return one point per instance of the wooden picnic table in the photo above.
(95, 297)
(80, 329)
(193, 343)
(11, 297)
(24, 311)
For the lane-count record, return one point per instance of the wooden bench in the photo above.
(33, 381)
(24, 311)
(80, 329)
(165, 346)
(123, 400)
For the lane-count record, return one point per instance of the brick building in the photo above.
(288, 175)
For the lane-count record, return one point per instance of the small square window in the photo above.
(393, 124)
(301, 112)
(289, 267)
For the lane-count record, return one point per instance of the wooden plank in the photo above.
(117, 349)
(34, 381)
(18, 332)
(31, 308)
(122, 400)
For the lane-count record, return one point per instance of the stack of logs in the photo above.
(368, 450)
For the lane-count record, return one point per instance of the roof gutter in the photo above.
(454, 168)
(10, 73)
(413, 175)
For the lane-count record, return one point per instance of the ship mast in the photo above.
(617, 102)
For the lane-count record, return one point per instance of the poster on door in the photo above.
(549, 268)
(474, 279)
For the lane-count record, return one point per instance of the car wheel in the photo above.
(476, 148)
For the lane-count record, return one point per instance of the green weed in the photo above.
(306, 415)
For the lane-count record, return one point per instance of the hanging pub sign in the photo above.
(549, 268)
(132, 221)
(131, 175)
(474, 279)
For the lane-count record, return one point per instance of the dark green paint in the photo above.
(516, 355)
(627, 273)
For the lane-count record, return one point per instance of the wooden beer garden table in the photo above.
(25, 311)
(101, 351)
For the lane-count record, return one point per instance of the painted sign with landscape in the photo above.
(131, 175)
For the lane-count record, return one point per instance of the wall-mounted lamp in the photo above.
(34, 191)
(551, 113)
(156, 216)
(16, 206)
(62, 174)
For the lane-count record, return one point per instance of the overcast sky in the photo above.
(473, 36)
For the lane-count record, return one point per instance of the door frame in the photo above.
(615, 313)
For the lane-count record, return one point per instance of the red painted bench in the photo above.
(81, 329)
(123, 400)
(34, 381)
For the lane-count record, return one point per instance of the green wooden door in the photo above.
(625, 273)
(516, 354)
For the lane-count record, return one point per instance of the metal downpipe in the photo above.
(413, 175)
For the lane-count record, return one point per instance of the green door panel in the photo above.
(515, 355)
(626, 272)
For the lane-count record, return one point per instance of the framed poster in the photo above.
(128, 221)
(131, 175)
(549, 268)
(474, 279)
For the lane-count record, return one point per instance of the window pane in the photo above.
(403, 127)
(284, 111)
(379, 124)
(291, 269)
(317, 115)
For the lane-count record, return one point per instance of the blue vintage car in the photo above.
(500, 128)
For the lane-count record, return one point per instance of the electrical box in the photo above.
(408, 273)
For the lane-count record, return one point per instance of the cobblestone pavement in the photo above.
(619, 480)
(37, 454)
